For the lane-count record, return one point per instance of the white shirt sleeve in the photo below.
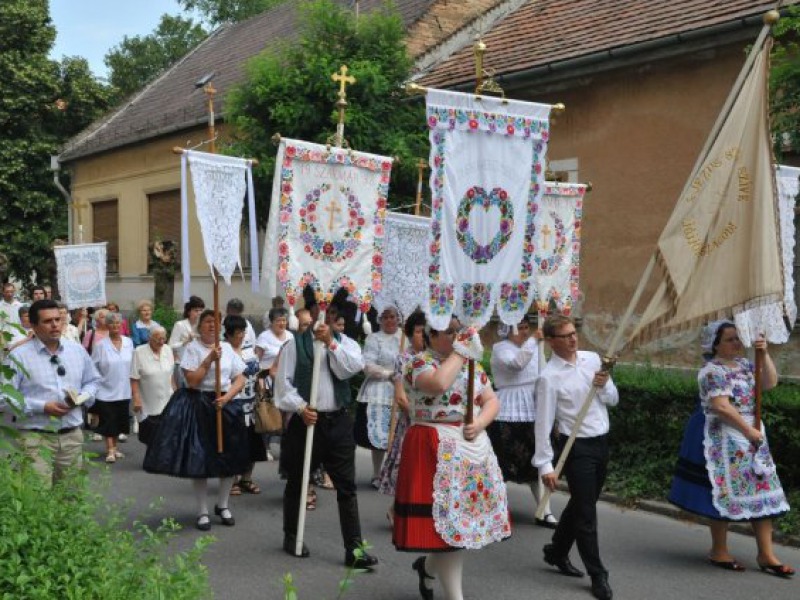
(546, 398)
(346, 359)
(287, 397)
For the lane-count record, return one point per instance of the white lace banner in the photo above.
(770, 320)
(326, 225)
(405, 263)
(219, 184)
(82, 274)
(487, 174)
(557, 247)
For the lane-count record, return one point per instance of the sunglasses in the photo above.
(61, 370)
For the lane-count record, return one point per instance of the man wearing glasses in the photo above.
(47, 371)
(561, 390)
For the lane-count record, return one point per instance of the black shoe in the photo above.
(226, 520)
(562, 563)
(203, 523)
(363, 561)
(289, 545)
(600, 588)
(419, 566)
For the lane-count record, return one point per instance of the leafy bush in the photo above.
(166, 316)
(69, 543)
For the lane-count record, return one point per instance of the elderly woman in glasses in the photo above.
(152, 381)
(112, 357)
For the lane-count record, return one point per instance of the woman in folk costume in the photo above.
(450, 490)
(414, 328)
(185, 444)
(377, 392)
(515, 367)
(725, 470)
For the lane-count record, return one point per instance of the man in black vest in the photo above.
(334, 445)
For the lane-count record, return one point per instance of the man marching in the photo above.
(561, 390)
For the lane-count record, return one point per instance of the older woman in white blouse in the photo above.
(152, 381)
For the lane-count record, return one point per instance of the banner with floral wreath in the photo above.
(487, 174)
(556, 257)
(82, 274)
(326, 225)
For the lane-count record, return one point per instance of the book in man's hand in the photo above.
(74, 399)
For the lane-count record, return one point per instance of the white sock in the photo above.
(448, 568)
(224, 493)
(377, 461)
(201, 495)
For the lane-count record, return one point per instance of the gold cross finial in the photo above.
(343, 79)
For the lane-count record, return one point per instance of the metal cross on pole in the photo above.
(343, 79)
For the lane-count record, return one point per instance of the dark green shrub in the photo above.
(166, 316)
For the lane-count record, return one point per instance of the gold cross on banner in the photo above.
(343, 79)
(332, 209)
(546, 231)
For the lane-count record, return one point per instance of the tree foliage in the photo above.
(137, 60)
(43, 103)
(785, 82)
(218, 12)
(288, 90)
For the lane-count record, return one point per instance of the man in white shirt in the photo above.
(561, 390)
(9, 304)
(333, 432)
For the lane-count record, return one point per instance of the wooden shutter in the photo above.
(105, 219)
(164, 218)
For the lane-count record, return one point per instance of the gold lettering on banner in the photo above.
(700, 248)
(745, 185)
(707, 172)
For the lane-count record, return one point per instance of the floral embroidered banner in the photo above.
(326, 224)
(557, 247)
(82, 274)
(487, 173)
(405, 263)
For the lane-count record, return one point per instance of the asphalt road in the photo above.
(649, 556)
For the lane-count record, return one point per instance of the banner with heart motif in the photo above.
(487, 174)
(557, 247)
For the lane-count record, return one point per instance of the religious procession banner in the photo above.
(405, 263)
(720, 249)
(771, 320)
(219, 184)
(487, 177)
(327, 222)
(82, 274)
(557, 247)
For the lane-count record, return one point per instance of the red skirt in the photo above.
(414, 530)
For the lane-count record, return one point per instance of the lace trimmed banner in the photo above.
(82, 274)
(557, 247)
(327, 222)
(487, 171)
(405, 263)
(770, 320)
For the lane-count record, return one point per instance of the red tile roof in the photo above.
(544, 32)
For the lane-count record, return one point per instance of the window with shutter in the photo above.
(105, 228)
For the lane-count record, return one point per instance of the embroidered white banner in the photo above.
(487, 171)
(557, 247)
(405, 263)
(326, 226)
(219, 184)
(82, 274)
(770, 320)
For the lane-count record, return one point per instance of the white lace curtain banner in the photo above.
(405, 263)
(770, 320)
(219, 184)
(557, 246)
(327, 222)
(487, 173)
(81, 274)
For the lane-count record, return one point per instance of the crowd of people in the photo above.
(444, 439)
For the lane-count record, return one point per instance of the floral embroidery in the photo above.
(441, 299)
(466, 120)
(330, 248)
(476, 300)
(476, 196)
(514, 296)
(470, 506)
(551, 263)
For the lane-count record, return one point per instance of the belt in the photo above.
(57, 432)
(331, 414)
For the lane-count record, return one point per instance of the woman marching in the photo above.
(515, 367)
(725, 470)
(377, 392)
(450, 490)
(185, 444)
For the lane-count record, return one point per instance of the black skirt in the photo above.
(185, 441)
(514, 445)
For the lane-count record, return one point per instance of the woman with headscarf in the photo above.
(725, 468)
(450, 490)
(375, 397)
(515, 367)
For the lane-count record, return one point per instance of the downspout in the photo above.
(55, 167)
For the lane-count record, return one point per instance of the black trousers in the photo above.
(585, 471)
(335, 448)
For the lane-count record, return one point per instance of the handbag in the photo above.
(268, 418)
